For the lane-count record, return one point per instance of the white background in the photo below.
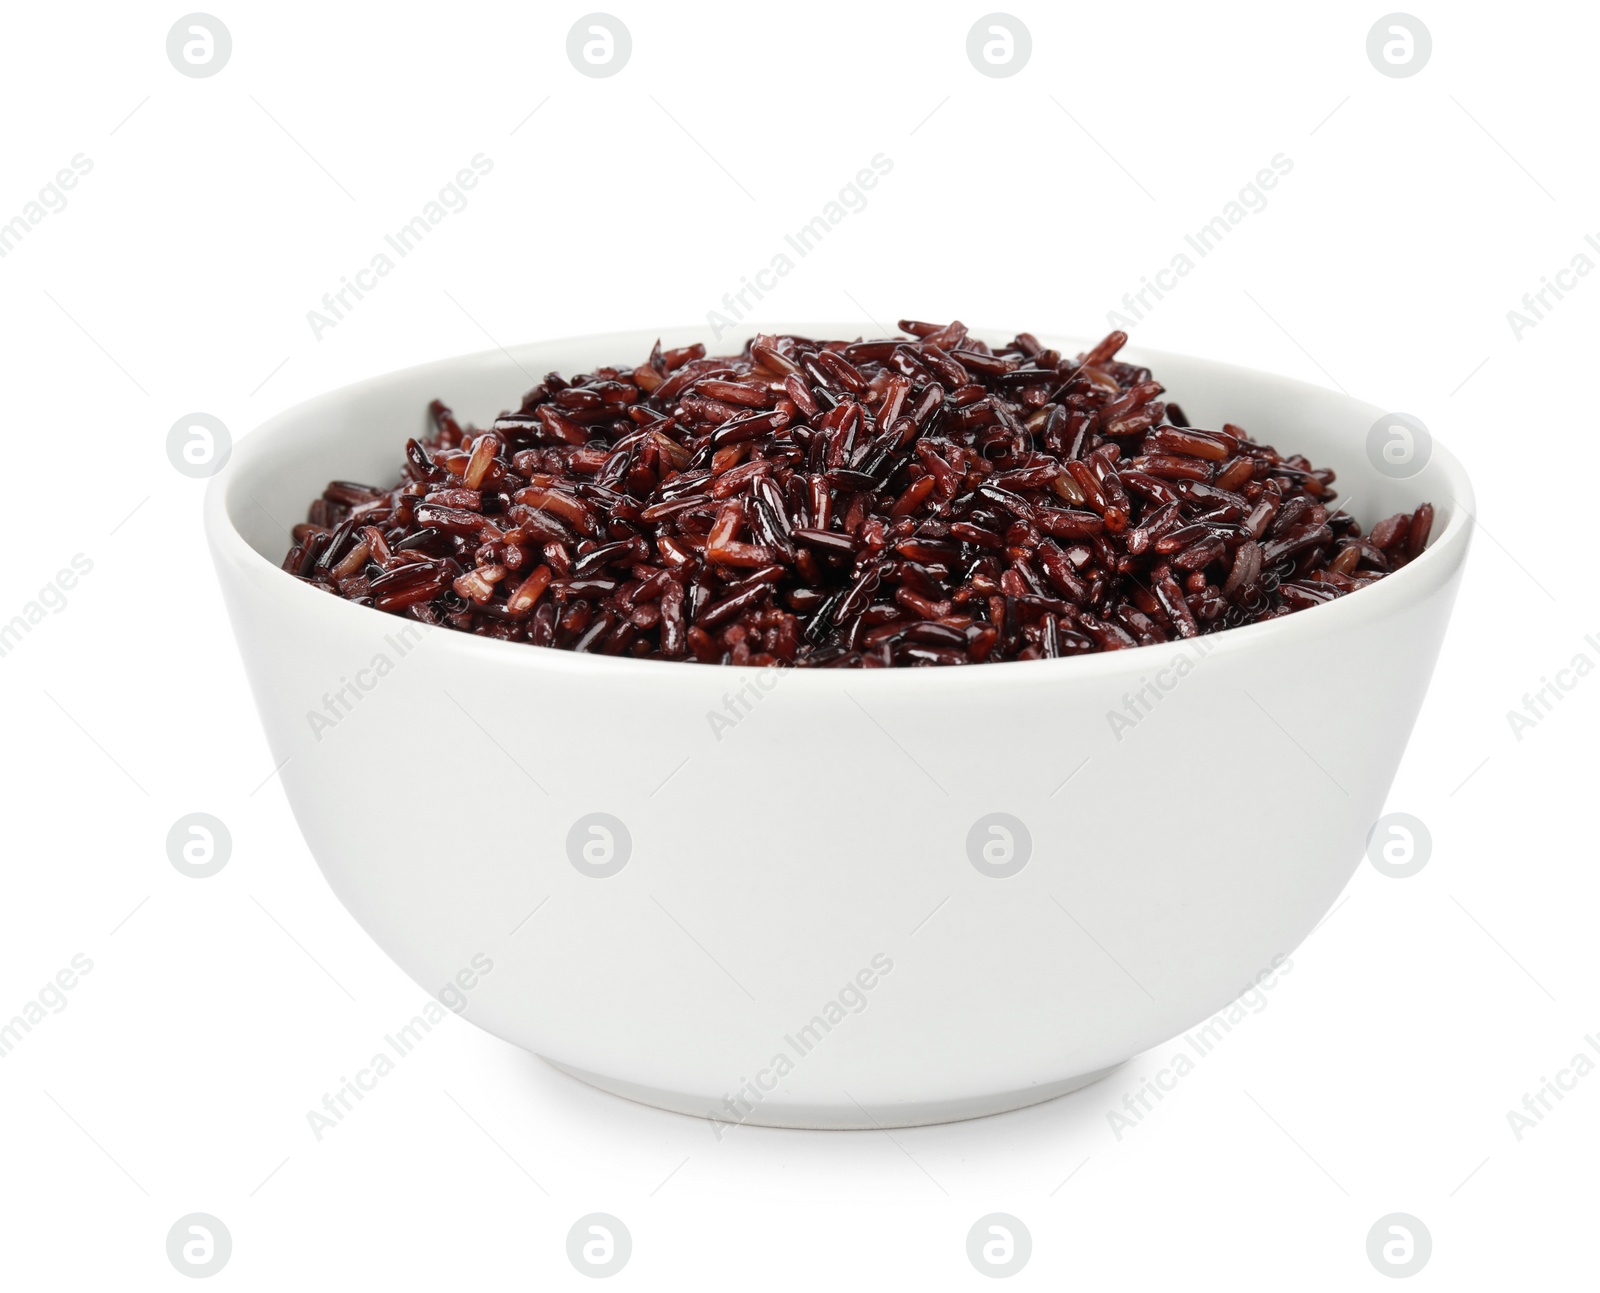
(178, 1076)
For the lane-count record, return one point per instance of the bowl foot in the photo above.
(846, 1115)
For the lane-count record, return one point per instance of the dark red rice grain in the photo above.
(924, 500)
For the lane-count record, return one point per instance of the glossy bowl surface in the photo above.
(807, 913)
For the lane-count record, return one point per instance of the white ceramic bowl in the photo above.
(798, 935)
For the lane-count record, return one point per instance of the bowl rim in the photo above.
(1436, 566)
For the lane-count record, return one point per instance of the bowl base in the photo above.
(845, 1116)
